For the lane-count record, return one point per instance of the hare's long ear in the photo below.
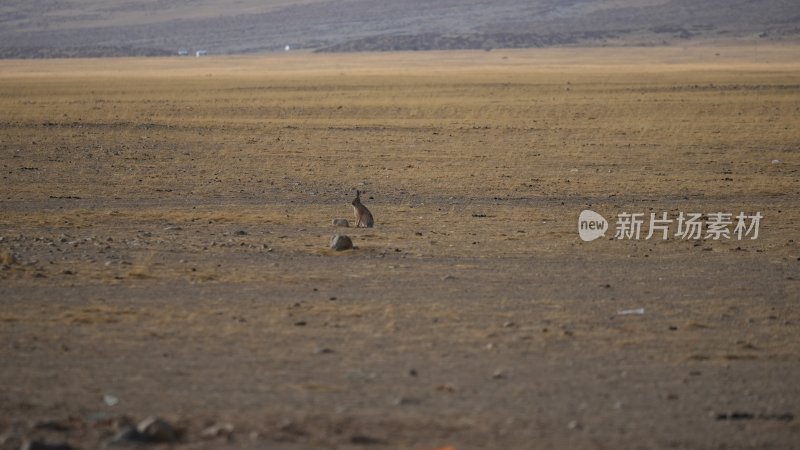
(358, 194)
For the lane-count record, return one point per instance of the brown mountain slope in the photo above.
(42, 28)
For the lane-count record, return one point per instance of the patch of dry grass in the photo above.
(436, 129)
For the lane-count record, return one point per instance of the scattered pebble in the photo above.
(574, 425)
(626, 312)
(341, 223)
(224, 430)
(158, 430)
(402, 401)
(341, 242)
(110, 400)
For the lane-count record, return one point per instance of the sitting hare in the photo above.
(363, 216)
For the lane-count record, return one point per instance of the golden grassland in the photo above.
(434, 138)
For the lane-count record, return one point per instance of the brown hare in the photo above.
(363, 216)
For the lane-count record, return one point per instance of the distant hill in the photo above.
(71, 28)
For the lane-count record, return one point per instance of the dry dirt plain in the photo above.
(164, 237)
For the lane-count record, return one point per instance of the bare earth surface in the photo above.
(165, 225)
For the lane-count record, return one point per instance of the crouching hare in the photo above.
(363, 216)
